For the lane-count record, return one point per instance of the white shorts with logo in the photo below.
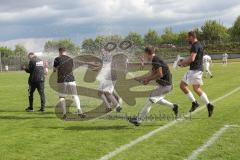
(193, 77)
(159, 93)
(67, 88)
(107, 86)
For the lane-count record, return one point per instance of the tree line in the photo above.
(212, 32)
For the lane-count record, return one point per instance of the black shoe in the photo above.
(29, 109)
(64, 117)
(134, 121)
(82, 115)
(118, 109)
(211, 77)
(195, 105)
(41, 110)
(175, 109)
(108, 109)
(210, 108)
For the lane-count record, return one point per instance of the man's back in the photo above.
(64, 65)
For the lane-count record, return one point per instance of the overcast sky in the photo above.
(33, 20)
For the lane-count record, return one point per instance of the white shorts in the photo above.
(67, 88)
(106, 86)
(159, 93)
(193, 77)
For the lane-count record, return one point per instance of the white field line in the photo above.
(150, 134)
(210, 142)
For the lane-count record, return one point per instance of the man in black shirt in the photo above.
(163, 77)
(36, 80)
(63, 64)
(194, 75)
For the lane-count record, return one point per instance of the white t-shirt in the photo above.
(225, 56)
(105, 73)
(206, 59)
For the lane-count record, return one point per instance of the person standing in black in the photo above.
(36, 80)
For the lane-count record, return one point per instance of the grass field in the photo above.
(42, 136)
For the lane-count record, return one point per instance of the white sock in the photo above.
(166, 103)
(191, 97)
(204, 98)
(104, 98)
(78, 103)
(145, 110)
(63, 104)
(113, 100)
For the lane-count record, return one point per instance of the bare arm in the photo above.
(187, 61)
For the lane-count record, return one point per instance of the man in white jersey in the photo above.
(225, 58)
(107, 82)
(206, 63)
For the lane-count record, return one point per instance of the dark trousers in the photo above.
(40, 87)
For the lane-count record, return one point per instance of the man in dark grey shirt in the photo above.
(163, 77)
(194, 75)
(63, 64)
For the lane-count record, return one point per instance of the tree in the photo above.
(169, 36)
(136, 38)
(235, 30)
(214, 31)
(182, 38)
(52, 46)
(6, 52)
(152, 38)
(88, 45)
(21, 51)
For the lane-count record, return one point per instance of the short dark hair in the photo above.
(149, 50)
(31, 54)
(62, 49)
(192, 34)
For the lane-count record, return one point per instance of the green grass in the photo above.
(36, 136)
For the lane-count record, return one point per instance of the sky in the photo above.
(33, 22)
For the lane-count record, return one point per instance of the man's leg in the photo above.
(204, 98)
(189, 94)
(31, 89)
(40, 88)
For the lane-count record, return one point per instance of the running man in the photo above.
(107, 82)
(163, 77)
(225, 58)
(207, 60)
(63, 64)
(194, 75)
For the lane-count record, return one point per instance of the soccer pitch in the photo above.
(42, 136)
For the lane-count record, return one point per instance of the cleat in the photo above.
(210, 108)
(135, 121)
(29, 109)
(64, 117)
(195, 105)
(41, 110)
(118, 109)
(82, 115)
(108, 109)
(175, 109)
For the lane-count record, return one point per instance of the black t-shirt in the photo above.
(64, 65)
(167, 76)
(197, 64)
(36, 70)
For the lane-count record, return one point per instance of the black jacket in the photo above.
(36, 70)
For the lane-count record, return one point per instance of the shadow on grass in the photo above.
(22, 117)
